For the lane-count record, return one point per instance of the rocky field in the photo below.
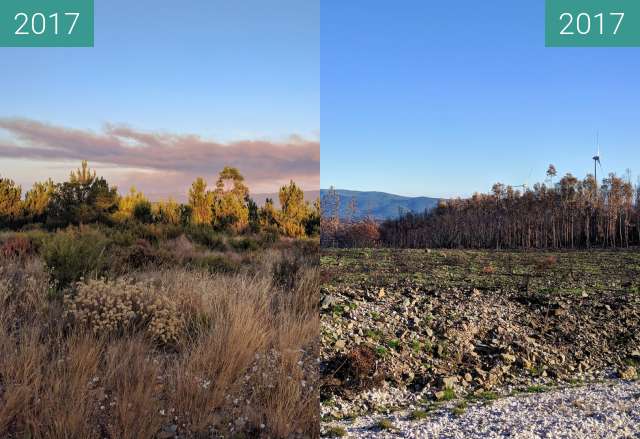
(419, 330)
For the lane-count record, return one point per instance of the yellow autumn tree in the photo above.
(133, 202)
(37, 199)
(10, 201)
(294, 210)
(230, 210)
(168, 211)
(268, 216)
(201, 202)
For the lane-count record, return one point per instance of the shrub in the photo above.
(142, 212)
(286, 269)
(73, 254)
(547, 263)
(455, 260)
(36, 236)
(141, 254)
(17, 246)
(268, 237)
(24, 286)
(205, 235)
(115, 307)
(488, 269)
(336, 431)
(419, 415)
(245, 244)
(386, 424)
(217, 264)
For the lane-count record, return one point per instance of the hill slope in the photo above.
(380, 205)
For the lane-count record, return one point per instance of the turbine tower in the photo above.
(525, 185)
(596, 160)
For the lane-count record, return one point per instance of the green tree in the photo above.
(312, 222)
(82, 175)
(254, 215)
(229, 208)
(201, 202)
(83, 199)
(142, 212)
(294, 210)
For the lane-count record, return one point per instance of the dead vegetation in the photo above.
(434, 324)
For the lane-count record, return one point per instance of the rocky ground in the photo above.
(405, 328)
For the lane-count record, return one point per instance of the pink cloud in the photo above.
(164, 164)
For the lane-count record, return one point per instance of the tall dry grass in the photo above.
(244, 364)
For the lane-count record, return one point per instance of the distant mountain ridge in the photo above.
(380, 205)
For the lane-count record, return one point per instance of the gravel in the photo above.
(599, 410)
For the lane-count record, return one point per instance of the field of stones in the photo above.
(427, 331)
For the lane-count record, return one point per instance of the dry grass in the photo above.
(245, 361)
(131, 378)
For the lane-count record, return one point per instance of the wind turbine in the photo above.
(525, 185)
(596, 159)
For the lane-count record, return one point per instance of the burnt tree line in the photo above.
(571, 213)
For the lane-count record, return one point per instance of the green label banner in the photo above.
(46, 23)
(598, 23)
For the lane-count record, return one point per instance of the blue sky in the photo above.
(223, 70)
(444, 99)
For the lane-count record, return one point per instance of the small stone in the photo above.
(439, 395)
(467, 377)
(628, 373)
(381, 293)
(328, 301)
(449, 382)
(340, 344)
(508, 358)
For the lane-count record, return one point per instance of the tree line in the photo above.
(86, 198)
(570, 213)
(348, 231)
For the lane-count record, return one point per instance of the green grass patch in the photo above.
(460, 408)
(449, 394)
(335, 431)
(394, 344)
(385, 424)
(382, 352)
(488, 396)
(417, 415)
(536, 389)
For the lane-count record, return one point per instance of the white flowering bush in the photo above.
(115, 307)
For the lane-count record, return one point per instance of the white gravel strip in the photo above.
(603, 410)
